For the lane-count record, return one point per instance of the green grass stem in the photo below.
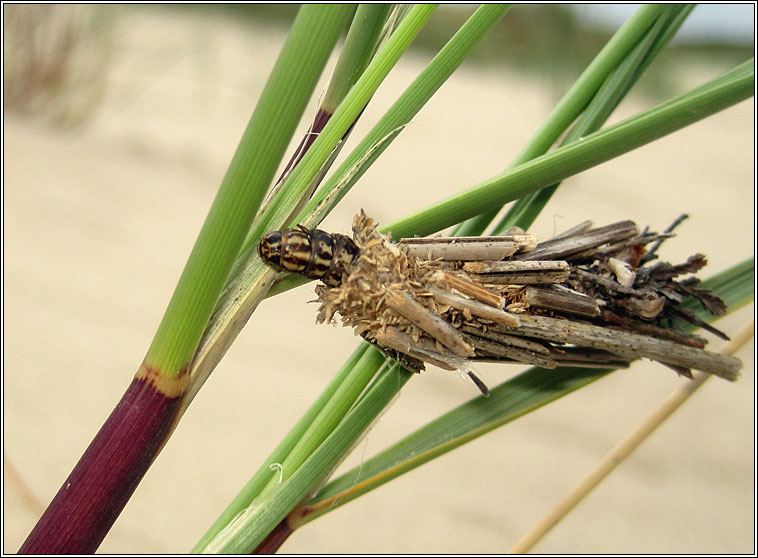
(511, 399)
(309, 44)
(265, 473)
(296, 184)
(412, 100)
(360, 45)
(574, 101)
(251, 526)
(369, 25)
(592, 150)
(333, 412)
(526, 209)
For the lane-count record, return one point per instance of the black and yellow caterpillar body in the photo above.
(310, 252)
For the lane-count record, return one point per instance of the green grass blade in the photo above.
(402, 111)
(313, 36)
(514, 398)
(526, 209)
(714, 96)
(509, 400)
(252, 525)
(360, 46)
(335, 409)
(573, 102)
(265, 473)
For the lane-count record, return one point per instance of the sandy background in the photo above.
(98, 224)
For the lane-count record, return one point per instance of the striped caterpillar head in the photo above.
(270, 249)
(309, 252)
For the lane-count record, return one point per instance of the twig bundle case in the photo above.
(584, 298)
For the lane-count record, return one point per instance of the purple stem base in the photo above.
(93, 495)
(275, 538)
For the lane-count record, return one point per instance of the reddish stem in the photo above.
(322, 117)
(98, 488)
(275, 539)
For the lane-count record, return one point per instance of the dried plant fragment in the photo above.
(453, 282)
(564, 246)
(474, 308)
(422, 349)
(518, 272)
(561, 299)
(431, 323)
(626, 344)
(467, 248)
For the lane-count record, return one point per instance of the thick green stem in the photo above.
(111, 468)
(309, 44)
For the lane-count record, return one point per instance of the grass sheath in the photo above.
(275, 538)
(103, 480)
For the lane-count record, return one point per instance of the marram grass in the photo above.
(366, 384)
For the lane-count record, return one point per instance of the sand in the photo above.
(99, 222)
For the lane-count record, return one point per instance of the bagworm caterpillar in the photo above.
(583, 298)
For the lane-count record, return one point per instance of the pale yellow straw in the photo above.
(623, 450)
